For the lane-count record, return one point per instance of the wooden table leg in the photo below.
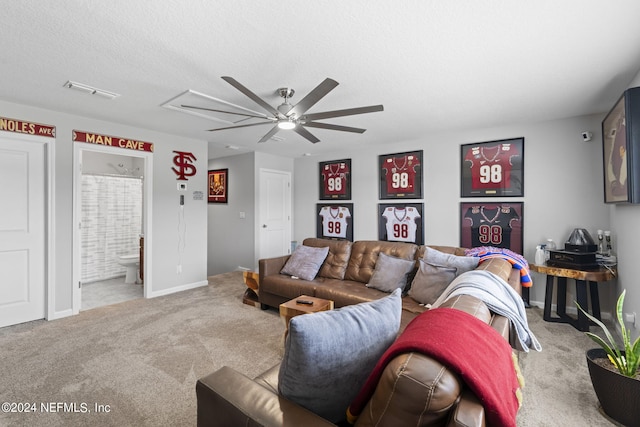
(561, 297)
(581, 297)
(548, 297)
(595, 299)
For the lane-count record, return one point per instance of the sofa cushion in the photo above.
(436, 270)
(337, 260)
(329, 355)
(390, 273)
(364, 254)
(305, 262)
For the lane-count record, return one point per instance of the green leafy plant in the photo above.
(627, 362)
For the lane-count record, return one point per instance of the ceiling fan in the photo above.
(287, 116)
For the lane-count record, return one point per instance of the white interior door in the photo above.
(275, 213)
(22, 239)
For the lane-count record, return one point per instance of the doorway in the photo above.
(23, 228)
(275, 213)
(112, 197)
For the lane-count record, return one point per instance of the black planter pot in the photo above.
(619, 395)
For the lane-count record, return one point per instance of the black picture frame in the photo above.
(492, 168)
(497, 224)
(400, 175)
(335, 179)
(218, 186)
(334, 221)
(621, 149)
(401, 222)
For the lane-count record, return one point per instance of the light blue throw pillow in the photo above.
(329, 355)
(390, 273)
(305, 262)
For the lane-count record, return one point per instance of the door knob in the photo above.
(264, 225)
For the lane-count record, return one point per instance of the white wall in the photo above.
(563, 186)
(164, 235)
(230, 238)
(233, 242)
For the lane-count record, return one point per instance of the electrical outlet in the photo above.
(178, 269)
(631, 318)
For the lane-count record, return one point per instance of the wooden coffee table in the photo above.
(293, 308)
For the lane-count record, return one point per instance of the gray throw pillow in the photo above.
(436, 270)
(329, 355)
(305, 262)
(390, 273)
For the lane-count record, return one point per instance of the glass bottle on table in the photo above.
(550, 246)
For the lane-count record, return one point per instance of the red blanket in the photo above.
(469, 347)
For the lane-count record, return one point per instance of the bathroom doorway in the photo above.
(110, 208)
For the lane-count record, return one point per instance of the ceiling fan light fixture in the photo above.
(286, 124)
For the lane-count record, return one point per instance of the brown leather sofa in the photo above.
(415, 389)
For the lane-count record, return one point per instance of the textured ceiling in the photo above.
(435, 66)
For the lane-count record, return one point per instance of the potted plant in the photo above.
(615, 372)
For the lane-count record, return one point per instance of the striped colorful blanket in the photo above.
(517, 261)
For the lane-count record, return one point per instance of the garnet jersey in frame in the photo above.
(334, 221)
(491, 226)
(400, 173)
(334, 179)
(401, 223)
(491, 165)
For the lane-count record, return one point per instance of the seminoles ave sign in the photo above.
(111, 141)
(29, 128)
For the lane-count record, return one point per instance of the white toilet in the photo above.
(132, 262)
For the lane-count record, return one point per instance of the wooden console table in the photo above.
(582, 279)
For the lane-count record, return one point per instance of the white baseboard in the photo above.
(605, 315)
(59, 314)
(178, 289)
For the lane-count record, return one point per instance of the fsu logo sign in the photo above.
(184, 165)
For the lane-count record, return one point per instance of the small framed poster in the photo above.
(218, 185)
(335, 221)
(401, 222)
(492, 169)
(491, 224)
(400, 175)
(335, 180)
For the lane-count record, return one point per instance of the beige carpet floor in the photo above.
(140, 360)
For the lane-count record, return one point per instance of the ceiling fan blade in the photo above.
(255, 98)
(334, 127)
(312, 97)
(222, 111)
(241, 126)
(305, 133)
(341, 113)
(269, 134)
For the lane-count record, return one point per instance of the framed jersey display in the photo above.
(493, 169)
(218, 185)
(491, 224)
(401, 223)
(335, 221)
(401, 175)
(335, 180)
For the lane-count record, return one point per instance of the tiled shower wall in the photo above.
(111, 224)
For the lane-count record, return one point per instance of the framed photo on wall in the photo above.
(400, 175)
(335, 180)
(334, 221)
(492, 169)
(218, 185)
(493, 224)
(621, 151)
(401, 222)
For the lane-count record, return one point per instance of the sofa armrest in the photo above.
(227, 398)
(270, 266)
(468, 412)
